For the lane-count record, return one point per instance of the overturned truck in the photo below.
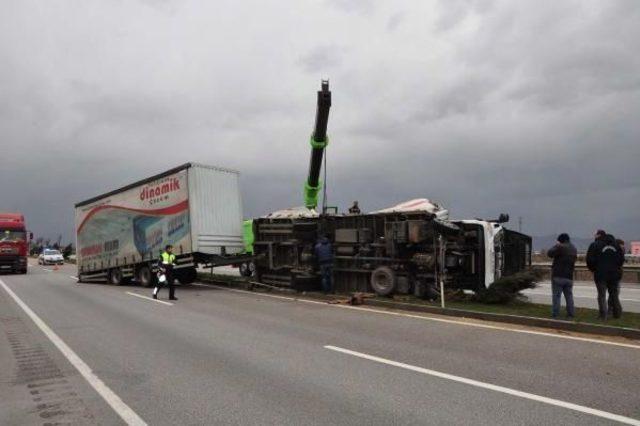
(411, 248)
(406, 252)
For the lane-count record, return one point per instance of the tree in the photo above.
(67, 251)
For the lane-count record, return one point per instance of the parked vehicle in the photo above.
(50, 257)
(195, 208)
(13, 243)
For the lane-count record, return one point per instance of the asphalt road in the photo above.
(586, 296)
(227, 357)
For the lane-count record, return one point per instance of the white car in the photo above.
(50, 257)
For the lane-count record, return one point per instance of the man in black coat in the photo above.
(564, 256)
(605, 259)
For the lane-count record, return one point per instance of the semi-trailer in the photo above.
(13, 243)
(193, 207)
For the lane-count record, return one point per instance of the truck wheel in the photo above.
(145, 276)
(383, 281)
(115, 276)
(187, 276)
(247, 269)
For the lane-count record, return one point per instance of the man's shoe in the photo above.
(173, 298)
(155, 296)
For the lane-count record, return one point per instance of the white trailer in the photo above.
(195, 208)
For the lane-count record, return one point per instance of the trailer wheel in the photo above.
(383, 281)
(115, 276)
(145, 276)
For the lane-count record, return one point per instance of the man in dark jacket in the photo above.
(564, 256)
(605, 259)
(324, 255)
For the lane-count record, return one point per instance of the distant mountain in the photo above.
(547, 241)
(582, 244)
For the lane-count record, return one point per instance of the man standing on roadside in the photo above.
(605, 259)
(324, 255)
(564, 256)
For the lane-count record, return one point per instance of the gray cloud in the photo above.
(529, 108)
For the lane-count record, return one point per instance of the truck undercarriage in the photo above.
(406, 253)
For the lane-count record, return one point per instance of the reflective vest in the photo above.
(167, 259)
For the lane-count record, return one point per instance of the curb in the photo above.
(603, 330)
(630, 333)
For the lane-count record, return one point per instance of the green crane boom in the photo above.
(319, 141)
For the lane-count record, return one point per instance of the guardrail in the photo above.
(630, 273)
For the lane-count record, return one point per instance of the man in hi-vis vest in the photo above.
(165, 272)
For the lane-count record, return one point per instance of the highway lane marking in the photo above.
(594, 297)
(125, 412)
(526, 395)
(427, 318)
(148, 298)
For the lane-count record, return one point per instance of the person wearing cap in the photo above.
(564, 256)
(165, 272)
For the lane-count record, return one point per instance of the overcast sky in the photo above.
(525, 107)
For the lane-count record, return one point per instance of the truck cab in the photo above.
(500, 252)
(13, 243)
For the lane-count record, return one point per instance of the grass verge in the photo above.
(526, 309)
(518, 307)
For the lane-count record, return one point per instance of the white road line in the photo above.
(495, 388)
(74, 277)
(149, 298)
(443, 320)
(123, 410)
(48, 270)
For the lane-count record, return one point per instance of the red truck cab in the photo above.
(14, 246)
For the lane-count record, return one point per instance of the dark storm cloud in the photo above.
(322, 58)
(529, 108)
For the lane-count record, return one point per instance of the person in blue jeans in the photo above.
(564, 256)
(324, 255)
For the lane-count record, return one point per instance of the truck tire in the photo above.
(145, 276)
(383, 281)
(115, 276)
(187, 275)
(247, 269)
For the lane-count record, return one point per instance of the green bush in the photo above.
(507, 289)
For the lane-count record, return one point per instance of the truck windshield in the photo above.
(12, 236)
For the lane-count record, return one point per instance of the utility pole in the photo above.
(519, 223)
